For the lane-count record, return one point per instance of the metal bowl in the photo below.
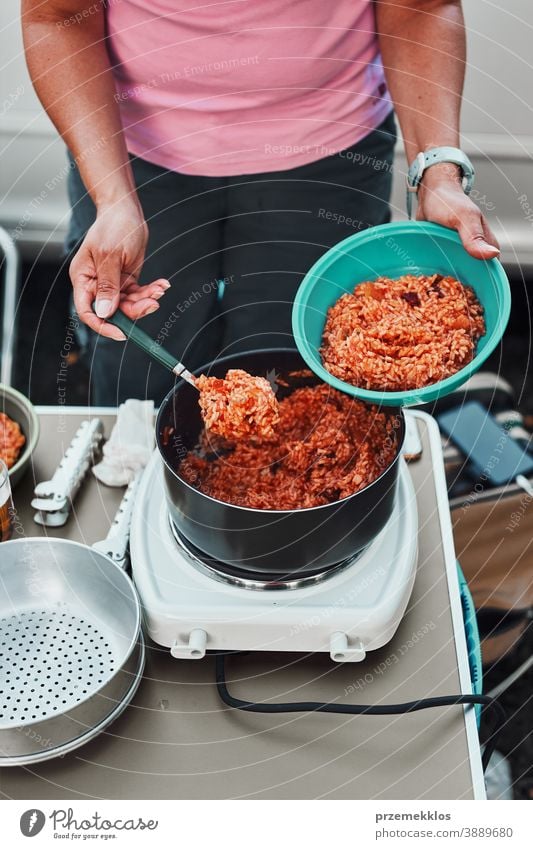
(71, 649)
(15, 405)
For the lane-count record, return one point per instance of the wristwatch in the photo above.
(433, 156)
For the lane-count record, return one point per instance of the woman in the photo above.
(237, 141)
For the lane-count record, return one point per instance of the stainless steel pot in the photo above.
(71, 647)
(267, 544)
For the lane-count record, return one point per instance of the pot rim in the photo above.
(299, 510)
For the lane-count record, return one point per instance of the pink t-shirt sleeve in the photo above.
(245, 86)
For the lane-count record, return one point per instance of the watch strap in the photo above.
(434, 156)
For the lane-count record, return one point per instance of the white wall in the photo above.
(31, 154)
(497, 131)
(497, 120)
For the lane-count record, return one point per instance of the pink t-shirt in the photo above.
(243, 86)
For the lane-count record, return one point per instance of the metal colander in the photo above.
(71, 651)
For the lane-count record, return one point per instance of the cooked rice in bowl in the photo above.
(395, 335)
(12, 440)
(325, 447)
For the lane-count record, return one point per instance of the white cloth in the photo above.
(130, 445)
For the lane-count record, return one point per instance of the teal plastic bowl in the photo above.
(390, 250)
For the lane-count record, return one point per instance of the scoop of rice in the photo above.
(238, 406)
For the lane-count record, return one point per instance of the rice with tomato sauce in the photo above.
(11, 440)
(393, 335)
(238, 406)
(325, 447)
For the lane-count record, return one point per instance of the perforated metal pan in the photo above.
(71, 648)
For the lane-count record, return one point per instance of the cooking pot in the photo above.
(266, 544)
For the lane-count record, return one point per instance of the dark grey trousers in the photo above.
(258, 233)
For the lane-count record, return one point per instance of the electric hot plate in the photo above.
(192, 604)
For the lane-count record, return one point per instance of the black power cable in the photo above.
(371, 710)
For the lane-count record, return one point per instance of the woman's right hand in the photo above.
(106, 269)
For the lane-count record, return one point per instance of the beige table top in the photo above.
(178, 741)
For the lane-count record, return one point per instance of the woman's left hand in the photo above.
(441, 199)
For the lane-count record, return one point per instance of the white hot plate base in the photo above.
(346, 615)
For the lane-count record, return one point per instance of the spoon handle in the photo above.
(150, 346)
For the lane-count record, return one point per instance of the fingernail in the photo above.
(103, 307)
(166, 284)
(152, 309)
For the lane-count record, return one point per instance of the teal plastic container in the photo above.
(473, 643)
(390, 250)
